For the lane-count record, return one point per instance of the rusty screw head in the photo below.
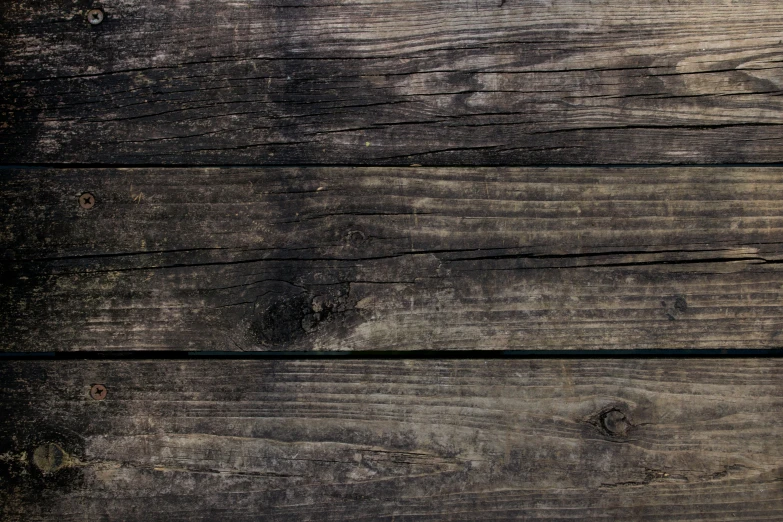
(95, 16)
(98, 392)
(87, 200)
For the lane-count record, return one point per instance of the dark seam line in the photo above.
(398, 355)
(375, 165)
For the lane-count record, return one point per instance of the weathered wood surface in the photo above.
(392, 82)
(392, 259)
(665, 439)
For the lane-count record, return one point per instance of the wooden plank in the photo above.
(392, 259)
(597, 439)
(392, 82)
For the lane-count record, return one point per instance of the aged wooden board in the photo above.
(391, 259)
(599, 439)
(437, 82)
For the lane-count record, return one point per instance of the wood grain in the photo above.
(392, 259)
(598, 439)
(434, 82)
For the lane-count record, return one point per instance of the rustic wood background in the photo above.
(635, 439)
(391, 260)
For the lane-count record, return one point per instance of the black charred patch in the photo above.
(281, 321)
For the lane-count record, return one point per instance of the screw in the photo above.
(95, 16)
(98, 392)
(87, 200)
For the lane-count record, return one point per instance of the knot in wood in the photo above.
(49, 457)
(355, 237)
(674, 306)
(615, 423)
(281, 321)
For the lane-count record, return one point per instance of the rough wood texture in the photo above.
(393, 440)
(392, 82)
(392, 259)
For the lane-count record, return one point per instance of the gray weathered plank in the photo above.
(598, 439)
(392, 82)
(392, 258)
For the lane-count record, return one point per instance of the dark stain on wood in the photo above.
(283, 319)
(675, 306)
